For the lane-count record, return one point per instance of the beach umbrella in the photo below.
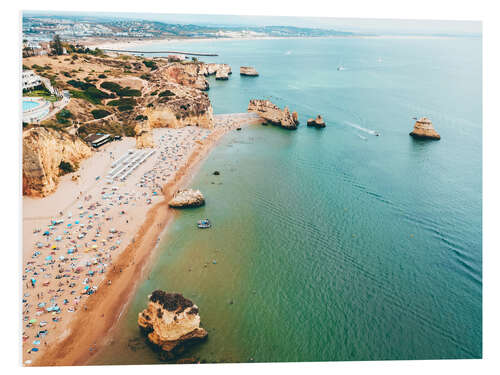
(69, 225)
(54, 247)
(33, 321)
(77, 222)
(48, 257)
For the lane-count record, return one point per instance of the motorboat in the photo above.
(204, 223)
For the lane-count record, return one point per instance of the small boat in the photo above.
(204, 223)
(340, 67)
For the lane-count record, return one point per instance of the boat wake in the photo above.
(356, 126)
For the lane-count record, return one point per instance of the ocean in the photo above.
(333, 244)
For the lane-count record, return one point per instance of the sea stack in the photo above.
(273, 114)
(248, 71)
(223, 72)
(171, 323)
(318, 122)
(424, 129)
(187, 198)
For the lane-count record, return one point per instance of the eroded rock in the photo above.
(171, 323)
(187, 198)
(424, 129)
(248, 71)
(273, 114)
(43, 151)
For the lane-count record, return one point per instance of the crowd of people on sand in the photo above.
(73, 251)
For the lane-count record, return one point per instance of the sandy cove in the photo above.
(69, 341)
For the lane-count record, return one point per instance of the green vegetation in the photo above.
(84, 50)
(120, 91)
(66, 167)
(111, 127)
(102, 76)
(100, 113)
(41, 92)
(89, 92)
(56, 45)
(166, 93)
(146, 76)
(141, 118)
(150, 64)
(126, 107)
(122, 102)
(63, 116)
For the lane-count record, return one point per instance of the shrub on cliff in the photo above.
(63, 115)
(65, 167)
(126, 107)
(119, 90)
(150, 64)
(123, 101)
(166, 93)
(100, 113)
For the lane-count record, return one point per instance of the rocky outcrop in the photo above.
(273, 114)
(185, 74)
(171, 323)
(208, 69)
(318, 122)
(424, 129)
(43, 151)
(187, 198)
(248, 71)
(295, 117)
(222, 75)
(143, 135)
(176, 106)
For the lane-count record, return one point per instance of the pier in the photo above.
(174, 52)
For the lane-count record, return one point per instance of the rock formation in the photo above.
(424, 129)
(187, 198)
(295, 117)
(223, 72)
(171, 323)
(176, 106)
(248, 71)
(318, 122)
(212, 68)
(185, 74)
(43, 151)
(143, 135)
(273, 114)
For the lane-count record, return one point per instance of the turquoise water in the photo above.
(28, 104)
(334, 244)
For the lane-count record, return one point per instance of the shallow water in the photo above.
(334, 244)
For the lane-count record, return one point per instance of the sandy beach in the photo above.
(87, 245)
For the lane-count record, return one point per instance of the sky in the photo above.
(377, 26)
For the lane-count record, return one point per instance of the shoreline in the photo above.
(104, 308)
(135, 43)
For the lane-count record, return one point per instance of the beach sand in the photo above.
(104, 244)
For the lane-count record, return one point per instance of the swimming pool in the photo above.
(29, 104)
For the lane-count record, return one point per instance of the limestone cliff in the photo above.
(273, 114)
(185, 74)
(171, 323)
(143, 135)
(424, 129)
(43, 151)
(176, 106)
(208, 69)
(187, 198)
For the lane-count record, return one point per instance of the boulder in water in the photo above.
(424, 129)
(187, 198)
(318, 122)
(171, 323)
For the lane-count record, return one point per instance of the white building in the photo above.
(30, 80)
